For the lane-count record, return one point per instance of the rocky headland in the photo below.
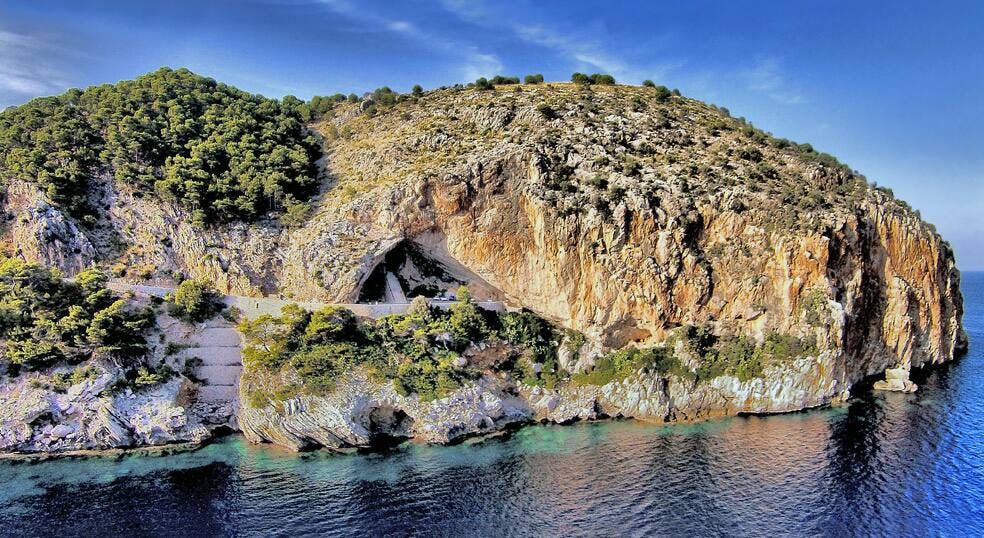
(776, 278)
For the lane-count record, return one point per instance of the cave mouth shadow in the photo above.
(421, 271)
(388, 427)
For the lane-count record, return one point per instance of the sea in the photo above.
(883, 464)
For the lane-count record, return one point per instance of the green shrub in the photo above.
(329, 324)
(525, 328)
(295, 212)
(45, 320)
(546, 111)
(147, 376)
(418, 351)
(533, 79)
(662, 93)
(499, 79)
(194, 301)
(740, 356)
(580, 78)
(466, 322)
(316, 108)
(602, 79)
(648, 83)
(483, 84)
(319, 366)
(622, 363)
(750, 154)
(529, 331)
(62, 381)
(814, 306)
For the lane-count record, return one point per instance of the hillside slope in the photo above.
(622, 212)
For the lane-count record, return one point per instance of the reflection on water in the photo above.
(885, 464)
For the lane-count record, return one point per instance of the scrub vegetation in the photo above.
(220, 153)
(47, 321)
(421, 352)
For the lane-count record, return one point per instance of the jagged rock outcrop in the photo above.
(86, 416)
(41, 232)
(614, 212)
(361, 413)
(42, 413)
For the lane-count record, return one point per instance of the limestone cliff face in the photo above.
(40, 232)
(703, 236)
(610, 211)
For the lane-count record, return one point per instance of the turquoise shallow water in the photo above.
(884, 465)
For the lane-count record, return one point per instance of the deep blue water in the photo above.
(883, 465)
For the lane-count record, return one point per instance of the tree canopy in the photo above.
(45, 320)
(221, 153)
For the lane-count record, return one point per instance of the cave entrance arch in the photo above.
(422, 267)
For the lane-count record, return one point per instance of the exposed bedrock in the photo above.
(611, 213)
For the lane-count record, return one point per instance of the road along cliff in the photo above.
(634, 217)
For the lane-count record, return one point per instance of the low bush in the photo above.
(61, 381)
(741, 356)
(483, 84)
(625, 362)
(581, 78)
(602, 79)
(419, 352)
(662, 93)
(194, 301)
(499, 79)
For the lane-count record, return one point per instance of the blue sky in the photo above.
(896, 90)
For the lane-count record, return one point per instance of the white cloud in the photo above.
(585, 54)
(24, 70)
(481, 65)
(402, 27)
(475, 62)
(767, 77)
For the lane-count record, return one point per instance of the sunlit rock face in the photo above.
(611, 211)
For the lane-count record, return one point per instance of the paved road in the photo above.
(253, 307)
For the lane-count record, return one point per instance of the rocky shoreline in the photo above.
(361, 412)
(610, 212)
(366, 415)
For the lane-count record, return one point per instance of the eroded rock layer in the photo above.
(616, 212)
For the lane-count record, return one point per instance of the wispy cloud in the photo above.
(582, 52)
(402, 27)
(768, 78)
(474, 61)
(587, 53)
(24, 71)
